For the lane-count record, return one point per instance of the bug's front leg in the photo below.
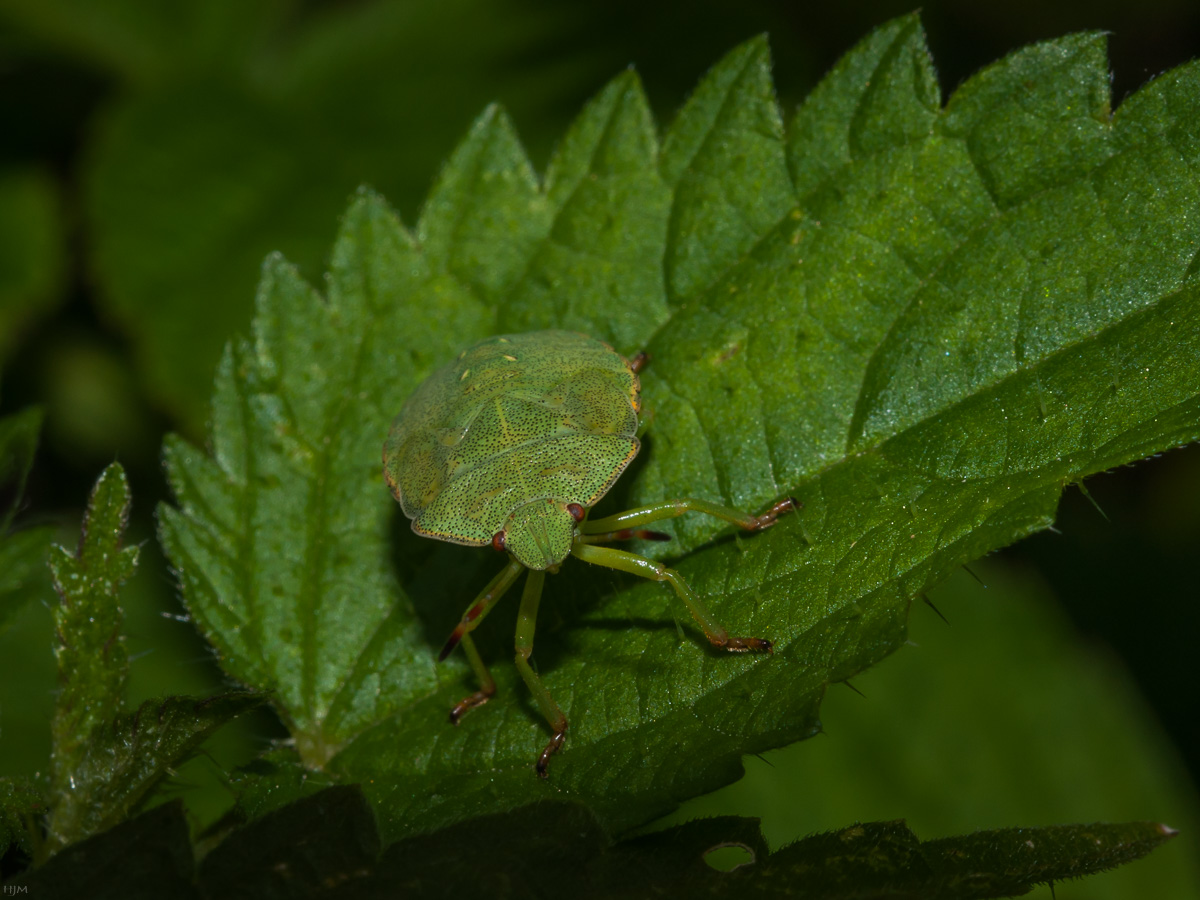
(475, 613)
(487, 684)
(526, 623)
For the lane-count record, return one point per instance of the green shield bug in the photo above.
(511, 445)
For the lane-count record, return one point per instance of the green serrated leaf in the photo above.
(1009, 861)
(126, 759)
(92, 662)
(283, 538)
(274, 780)
(886, 859)
(724, 157)
(106, 761)
(879, 98)
(599, 270)
(923, 348)
(485, 214)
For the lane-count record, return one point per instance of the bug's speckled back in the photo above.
(515, 418)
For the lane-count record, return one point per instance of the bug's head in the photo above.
(540, 534)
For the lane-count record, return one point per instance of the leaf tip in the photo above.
(109, 503)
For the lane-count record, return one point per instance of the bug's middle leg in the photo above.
(526, 623)
(639, 565)
(595, 529)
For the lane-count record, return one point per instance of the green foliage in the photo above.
(327, 846)
(92, 662)
(128, 758)
(921, 321)
(868, 860)
(106, 760)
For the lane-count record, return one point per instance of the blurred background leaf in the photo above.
(32, 251)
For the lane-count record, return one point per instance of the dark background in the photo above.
(171, 145)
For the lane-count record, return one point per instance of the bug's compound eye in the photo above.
(499, 542)
(577, 512)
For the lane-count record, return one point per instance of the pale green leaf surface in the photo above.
(924, 348)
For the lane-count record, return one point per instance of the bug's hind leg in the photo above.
(526, 623)
(639, 565)
(475, 613)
